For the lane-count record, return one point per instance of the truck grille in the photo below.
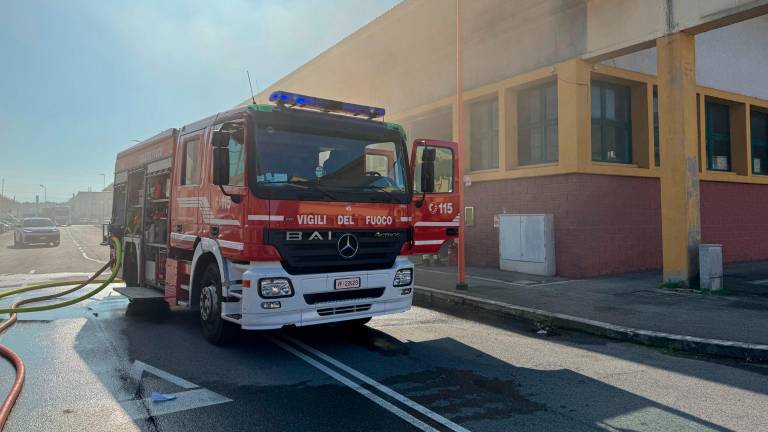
(317, 251)
(343, 309)
(331, 296)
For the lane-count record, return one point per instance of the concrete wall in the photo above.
(406, 57)
(727, 58)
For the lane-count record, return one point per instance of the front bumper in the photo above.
(32, 238)
(299, 310)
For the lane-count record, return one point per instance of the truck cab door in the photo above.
(436, 213)
(186, 206)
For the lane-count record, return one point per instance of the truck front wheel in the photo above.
(217, 330)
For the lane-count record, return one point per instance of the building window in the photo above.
(656, 142)
(611, 124)
(718, 117)
(759, 130)
(537, 125)
(484, 134)
(191, 171)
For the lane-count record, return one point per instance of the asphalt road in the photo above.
(94, 367)
(78, 252)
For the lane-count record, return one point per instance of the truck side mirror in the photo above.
(428, 170)
(220, 166)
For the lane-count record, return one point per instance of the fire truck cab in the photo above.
(297, 213)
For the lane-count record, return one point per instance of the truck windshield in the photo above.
(299, 165)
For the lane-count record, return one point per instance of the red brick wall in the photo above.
(603, 224)
(736, 216)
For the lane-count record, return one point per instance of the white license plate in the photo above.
(346, 283)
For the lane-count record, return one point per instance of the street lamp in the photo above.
(45, 193)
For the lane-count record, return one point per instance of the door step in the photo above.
(141, 293)
(235, 318)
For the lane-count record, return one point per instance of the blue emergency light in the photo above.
(292, 99)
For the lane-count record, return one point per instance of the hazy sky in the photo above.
(80, 79)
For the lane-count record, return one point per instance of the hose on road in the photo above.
(12, 357)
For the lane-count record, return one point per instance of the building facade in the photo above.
(91, 207)
(641, 126)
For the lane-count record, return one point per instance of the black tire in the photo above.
(55, 244)
(215, 329)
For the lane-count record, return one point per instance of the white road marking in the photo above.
(381, 387)
(80, 248)
(356, 387)
(498, 280)
(193, 397)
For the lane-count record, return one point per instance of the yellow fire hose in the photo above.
(10, 400)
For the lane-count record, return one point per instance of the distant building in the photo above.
(91, 207)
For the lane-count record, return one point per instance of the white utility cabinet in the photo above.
(527, 243)
(711, 266)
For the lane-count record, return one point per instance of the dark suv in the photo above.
(36, 230)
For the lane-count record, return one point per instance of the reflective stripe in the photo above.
(275, 218)
(225, 222)
(185, 237)
(428, 242)
(230, 244)
(405, 219)
(437, 224)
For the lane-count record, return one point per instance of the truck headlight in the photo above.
(403, 277)
(275, 288)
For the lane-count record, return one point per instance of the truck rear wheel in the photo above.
(217, 330)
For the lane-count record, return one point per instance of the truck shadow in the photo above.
(455, 380)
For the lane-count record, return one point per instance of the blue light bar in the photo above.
(292, 99)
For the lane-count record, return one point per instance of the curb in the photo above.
(433, 299)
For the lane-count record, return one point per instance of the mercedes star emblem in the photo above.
(347, 246)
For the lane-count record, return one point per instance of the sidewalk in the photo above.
(628, 307)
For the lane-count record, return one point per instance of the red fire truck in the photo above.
(301, 212)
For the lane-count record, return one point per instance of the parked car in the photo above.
(36, 230)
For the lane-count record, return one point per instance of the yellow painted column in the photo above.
(680, 209)
(573, 114)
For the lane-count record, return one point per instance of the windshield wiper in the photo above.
(321, 190)
(394, 198)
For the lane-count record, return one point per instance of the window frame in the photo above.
(656, 130)
(493, 100)
(604, 122)
(542, 125)
(243, 155)
(184, 143)
(710, 136)
(753, 141)
(417, 170)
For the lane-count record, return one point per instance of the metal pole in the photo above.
(103, 181)
(45, 194)
(461, 284)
